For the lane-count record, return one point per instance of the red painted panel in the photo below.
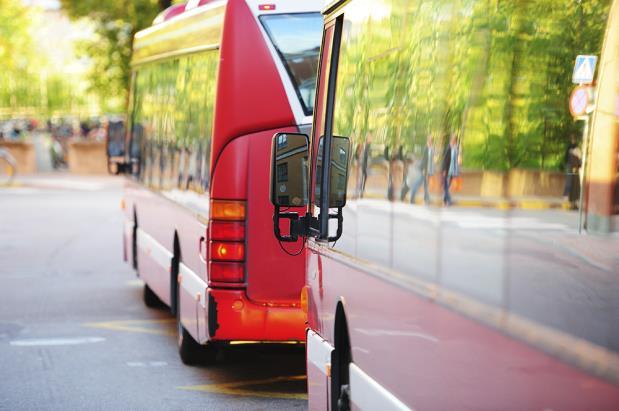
(229, 179)
(433, 358)
(250, 92)
(241, 319)
(272, 274)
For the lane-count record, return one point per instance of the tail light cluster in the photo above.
(226, 251)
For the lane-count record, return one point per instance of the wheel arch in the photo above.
(341, 355)
(174, 273)
(134, 240)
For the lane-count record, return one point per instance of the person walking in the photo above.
(573, 162)
(450, 167)
(425, 169)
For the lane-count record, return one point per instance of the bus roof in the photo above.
(197, 25)
(192, 31)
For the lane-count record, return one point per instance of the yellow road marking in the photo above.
(233, 388)
(135, 326)
(135, 283)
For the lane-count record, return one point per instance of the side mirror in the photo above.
(289, 170)
(338, 178)
(340, 154)
(289, 183)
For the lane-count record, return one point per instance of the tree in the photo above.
(28, 86)
(116, 22)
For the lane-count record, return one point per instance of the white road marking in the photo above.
(37, 342)
(18, 191)
(135, 283)
(65, 183)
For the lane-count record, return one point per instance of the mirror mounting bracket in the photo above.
(340, 224)
(300, 226)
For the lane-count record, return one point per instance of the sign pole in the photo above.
(583, 173)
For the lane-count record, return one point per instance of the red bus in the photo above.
(461, 226)
(211, 83)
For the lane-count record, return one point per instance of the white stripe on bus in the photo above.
(318, 351)
(193, 284)
(367, 394)
(156, 251)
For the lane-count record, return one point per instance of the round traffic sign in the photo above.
(579, 100)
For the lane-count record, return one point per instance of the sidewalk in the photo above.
(63, 180)
(524, 203)
(502, 203)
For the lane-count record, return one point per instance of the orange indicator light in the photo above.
(304, 299)
(228, 210)
(266, 7)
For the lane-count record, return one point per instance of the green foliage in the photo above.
(116, 22)
(27, 86)
(497, 73)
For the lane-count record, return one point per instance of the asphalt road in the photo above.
(74, 333)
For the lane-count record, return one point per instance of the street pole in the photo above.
(583, 172)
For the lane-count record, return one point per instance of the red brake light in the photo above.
(226, 272)
(266, 7)
(227, 231)
(224, 251)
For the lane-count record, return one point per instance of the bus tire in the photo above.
(341, 360)
(150, 298)
(174, 269)
(188, 349)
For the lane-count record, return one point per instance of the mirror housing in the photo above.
(289, 183)
(338, 178)
(289, 170)
(338, 171)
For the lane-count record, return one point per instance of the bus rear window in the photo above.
(296, 38)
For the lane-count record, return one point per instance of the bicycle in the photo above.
(8, 167)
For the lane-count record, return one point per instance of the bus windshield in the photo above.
(296, 38)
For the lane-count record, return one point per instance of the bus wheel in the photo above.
(341, 360)
(150, 298)
(343, 402)
(341, 385)
(190, 351)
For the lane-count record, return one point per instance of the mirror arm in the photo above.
(299, 226)
(340, 224)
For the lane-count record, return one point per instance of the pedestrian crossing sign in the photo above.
(584, 69)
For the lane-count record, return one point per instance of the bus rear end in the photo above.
(266, 81)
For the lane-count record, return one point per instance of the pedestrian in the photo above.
(450, 167)
(424, 170)
(573, 162)
(364, 167)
